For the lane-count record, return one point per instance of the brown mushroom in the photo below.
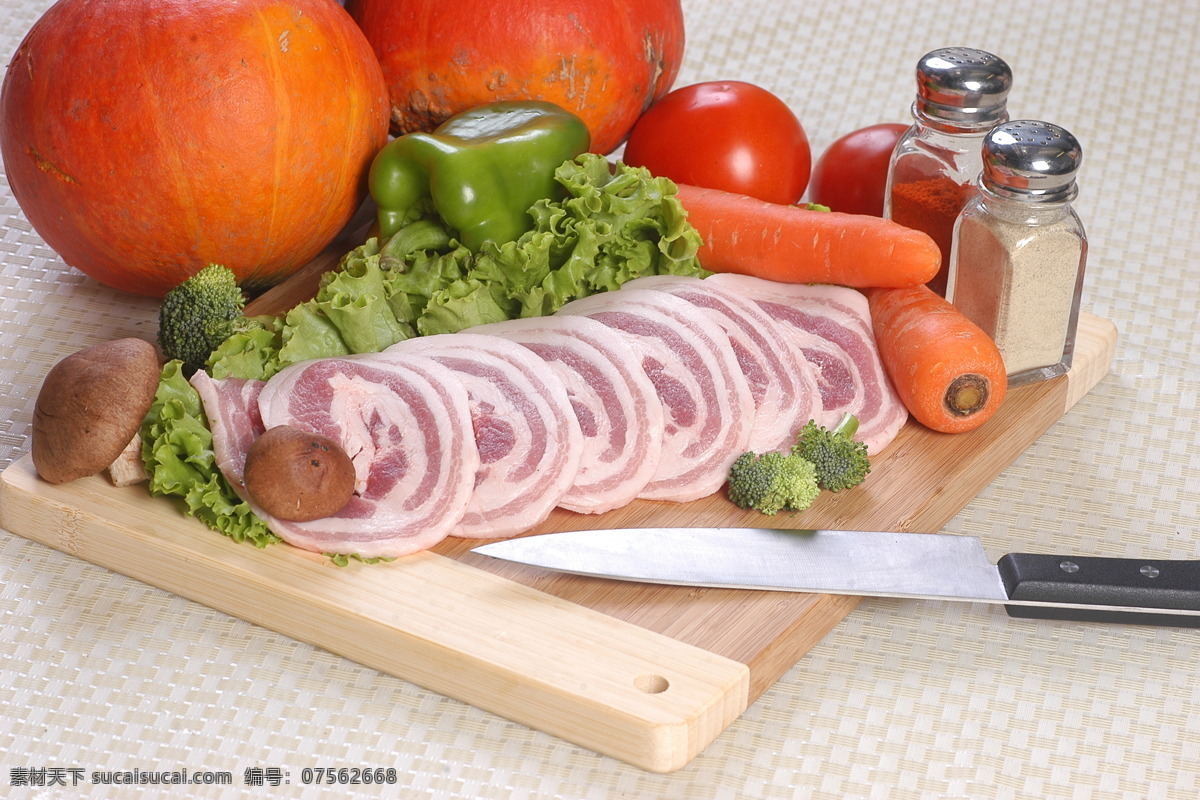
(90, 406)
(299, 476)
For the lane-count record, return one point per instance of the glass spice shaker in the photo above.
(962, 93)
(1020, 250)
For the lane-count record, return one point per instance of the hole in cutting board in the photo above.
(651, 683)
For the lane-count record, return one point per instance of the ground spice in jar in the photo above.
(932, 205)
(1020, 250)
(962, 93)
(1022, 286)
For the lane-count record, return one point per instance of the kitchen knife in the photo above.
(873, 563)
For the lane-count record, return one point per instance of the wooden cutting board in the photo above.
(646, 674)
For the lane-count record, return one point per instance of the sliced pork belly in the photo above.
(832, 327)
(782, 382)
(620, 415)
(407, 429)
(528, 437)
(706, 399)
(231, 406)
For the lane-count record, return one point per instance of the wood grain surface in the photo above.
(646, 674)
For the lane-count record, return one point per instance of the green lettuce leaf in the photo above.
(249, 354)
(356, 301)
(615, 223)
(177, 453)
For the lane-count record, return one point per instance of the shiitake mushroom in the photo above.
(90, 406)
(297, 475)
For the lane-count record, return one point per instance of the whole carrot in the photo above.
(946, 370)
(792, 244)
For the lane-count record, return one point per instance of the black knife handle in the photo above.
(1089, 580)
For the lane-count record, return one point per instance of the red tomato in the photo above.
(851, 174)
(725, 135)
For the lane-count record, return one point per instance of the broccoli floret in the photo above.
(201, 313)
(840, 461)
(772, 482)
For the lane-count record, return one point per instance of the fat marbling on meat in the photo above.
(231, 408)
(832, 327)
(706, 399)
(528, 438)
(782, 382)
(619, 413)
(406, 427)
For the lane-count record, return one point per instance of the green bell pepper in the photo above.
(481, 170)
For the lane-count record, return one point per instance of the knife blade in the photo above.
(936, 566)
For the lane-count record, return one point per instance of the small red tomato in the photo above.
(726, 135)
(851, 174)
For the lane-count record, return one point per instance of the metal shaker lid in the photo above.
(1031, 160)
(962, 87)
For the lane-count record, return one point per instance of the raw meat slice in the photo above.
(528, 438)
(706, 399)
(231, 406)
(832, 326)
(407, 429)
(782, 382)
(619, 413)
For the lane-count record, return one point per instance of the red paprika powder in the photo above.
(961, 95)
(932, 205)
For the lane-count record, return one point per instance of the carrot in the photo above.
(791, 244)
(947, 371)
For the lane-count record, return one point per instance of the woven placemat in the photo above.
(100, 673)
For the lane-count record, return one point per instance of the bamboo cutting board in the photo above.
(646, 674)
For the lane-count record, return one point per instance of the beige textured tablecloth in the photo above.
(904, 699)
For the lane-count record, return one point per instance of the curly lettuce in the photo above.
(178, 456)
(615, 223)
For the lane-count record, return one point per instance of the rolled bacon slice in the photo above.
(620, 415)
(231, 407)
(782, 382)
(706, 399)
(528, 438)
(832, 327)
(407, 429)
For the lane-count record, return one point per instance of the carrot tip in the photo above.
(967, 395)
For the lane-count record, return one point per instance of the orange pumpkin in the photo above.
(605, 60)
(144, 139)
